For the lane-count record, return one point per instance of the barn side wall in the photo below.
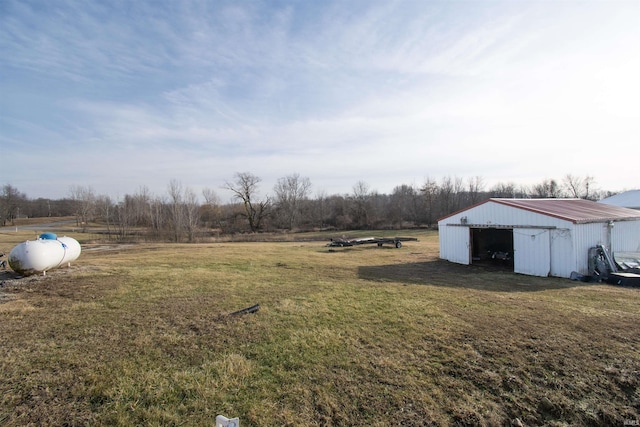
(625, 236)
(587, 236)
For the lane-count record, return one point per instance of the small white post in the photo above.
(222, 421)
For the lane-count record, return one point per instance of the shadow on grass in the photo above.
(482, 277)
(8, 275)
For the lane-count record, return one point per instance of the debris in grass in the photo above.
(247, 310)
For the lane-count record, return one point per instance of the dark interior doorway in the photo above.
(492, 245)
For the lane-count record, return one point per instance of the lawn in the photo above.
(142, 334)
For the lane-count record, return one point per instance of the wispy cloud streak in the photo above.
(380, 91)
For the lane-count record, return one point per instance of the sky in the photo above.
(117, 96)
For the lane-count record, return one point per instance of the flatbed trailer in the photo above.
(395, 241)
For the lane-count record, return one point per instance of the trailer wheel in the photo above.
(398, 244)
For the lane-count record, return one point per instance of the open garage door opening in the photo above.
(492, 246)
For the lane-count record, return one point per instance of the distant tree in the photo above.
(104, 207)
(475, 189)
(211, 211)
(124, 216)
(404, 205)
(84, 199)
(430, 192)
(547, 189)
(136, 211)
(132, 212)
(169, 218)
(245, 189)
(191, 213)
(10, 202)
(158, 215)
(42, 207)
(360, 204)
(449, 195)
(339, 212)
(377, 207)
(290, 193)
(503, 190)
(318, 209)
(140, 205)
(580, 187)
(176, 209)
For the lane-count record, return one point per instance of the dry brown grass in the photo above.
(140, 335)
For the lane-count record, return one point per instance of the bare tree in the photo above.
(290, 192)
(191, 213)
(124, 216)
(503, 190)
(548, 188)
(339, 212)
(318, 210)
(245, 189)
(210, 196)
(476, 187)
(85, 203)
(184, 211)
(508, 190)
(212, 209)
(360, 200)
(449, 195)
(104, 207)
(176, 209)
(430, 192)
(10, 201)
(580, 188)
(157, 215)
(403, 205)
(140, 204)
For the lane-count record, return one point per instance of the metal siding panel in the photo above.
(562, 254)
(625, 236)
(587, 236)
(531, 251)
(454, 244)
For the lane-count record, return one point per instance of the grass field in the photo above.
(365, 336)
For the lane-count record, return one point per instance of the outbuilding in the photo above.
(629, 199)
(539, 237)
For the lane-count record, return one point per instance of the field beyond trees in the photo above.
(141, 334)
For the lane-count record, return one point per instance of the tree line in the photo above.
(180, 215)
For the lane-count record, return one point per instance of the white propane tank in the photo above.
(72, 250)
(45, 253)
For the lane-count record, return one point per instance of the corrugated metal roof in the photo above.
(578, 211)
